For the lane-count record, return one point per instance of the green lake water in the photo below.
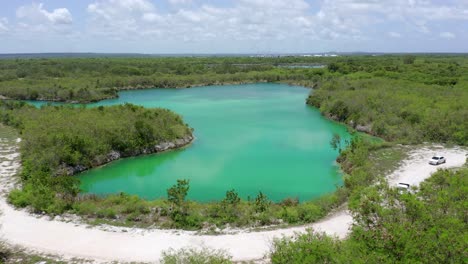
(251, 138)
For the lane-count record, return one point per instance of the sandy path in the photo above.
(416, 168)
(72, 240)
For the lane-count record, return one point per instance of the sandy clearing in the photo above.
(77, 241)
(416, 168)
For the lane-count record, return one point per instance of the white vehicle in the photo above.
(403, 186)
(436, 160)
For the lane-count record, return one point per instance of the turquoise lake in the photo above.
(251, 138)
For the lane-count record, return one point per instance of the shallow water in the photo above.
(251, 138)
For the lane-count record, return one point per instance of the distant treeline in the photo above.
(92, 79)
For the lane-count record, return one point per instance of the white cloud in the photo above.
(152, 17)
(3, 25)
(120, 19)
(35, 13)
(394, 34)
(256, 24)
(447, 35)
(416, 14)
(264, 20)
(109, 8)
(180, 2)
(253, 19)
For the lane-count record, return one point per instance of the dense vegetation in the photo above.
(409, 100)
(177, 212)
(91, 79)
(56, 138)
(393, 227)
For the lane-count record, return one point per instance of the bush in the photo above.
(106, 213)
(289, 201)
(19, 198)
(195, 256)
(307, 248)
(262, 203)
(290, 215)
(390, 227)
(85, 208)
(229, 206)
(309, 212)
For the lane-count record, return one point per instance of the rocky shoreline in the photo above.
(68, 170)
(129, 88)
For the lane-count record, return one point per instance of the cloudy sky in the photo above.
(233, 26)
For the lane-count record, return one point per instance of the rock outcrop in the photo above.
(364, 128)
(65, 169)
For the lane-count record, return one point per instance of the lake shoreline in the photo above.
(141, 87)
(116, 155)
(48, 231)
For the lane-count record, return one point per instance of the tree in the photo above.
(229, 205)
(409, 59)
(177, 193)
(176, 196)
(232, 198)
(340, 110)
(333, 67)
(262, 203)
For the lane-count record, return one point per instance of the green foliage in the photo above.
(423, 100)
(262, 203)
(177, 193)
(404, 99)
(176, 211)
(93, 79)
(231, 199)
(230, 206)
(59, 138)
(307, 248)
(409, 59)
(179, 208)
(408, 98)
(195, 256)
(390, 227)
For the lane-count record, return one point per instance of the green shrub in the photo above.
(309, 212)
(195, 256)
(106, 213)
(289, 201)
(19, 198)
(261, 203)
(390, 227)
(85, 208)
(290, 215)
(306, 248)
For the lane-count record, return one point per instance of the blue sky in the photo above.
(228, 26)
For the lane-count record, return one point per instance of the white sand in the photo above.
(74, 240)
(416, 168)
